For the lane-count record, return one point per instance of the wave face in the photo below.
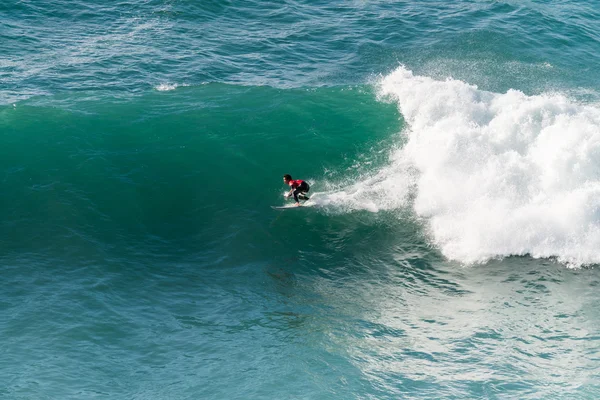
(144, 170)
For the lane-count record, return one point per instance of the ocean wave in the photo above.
(492, 174)
(500, 173)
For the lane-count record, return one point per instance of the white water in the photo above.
(492, 174)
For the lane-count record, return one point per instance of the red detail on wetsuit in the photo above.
(296, 183)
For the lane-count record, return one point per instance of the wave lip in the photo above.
(501, 174)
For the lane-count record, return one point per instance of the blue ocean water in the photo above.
(452, 245)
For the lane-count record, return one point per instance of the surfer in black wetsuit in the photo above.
(299, 188)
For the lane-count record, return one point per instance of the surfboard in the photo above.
(288, 206)
(308, 204)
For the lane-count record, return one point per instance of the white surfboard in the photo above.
(287, 206)
(304, 204)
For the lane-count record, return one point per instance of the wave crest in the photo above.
(497, 174)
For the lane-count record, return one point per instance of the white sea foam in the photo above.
(501, 174)
(384, 190)
(493, 174)
(163, 87)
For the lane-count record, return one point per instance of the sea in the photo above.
(450, 248)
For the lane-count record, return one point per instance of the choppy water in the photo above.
(453, 151)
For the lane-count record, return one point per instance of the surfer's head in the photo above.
(287, 178)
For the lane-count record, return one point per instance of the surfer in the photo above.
(298, 188)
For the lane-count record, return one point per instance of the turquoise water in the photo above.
(453, 151)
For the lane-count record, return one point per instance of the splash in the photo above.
(501, 174)
(492, 174)
(385, 190)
